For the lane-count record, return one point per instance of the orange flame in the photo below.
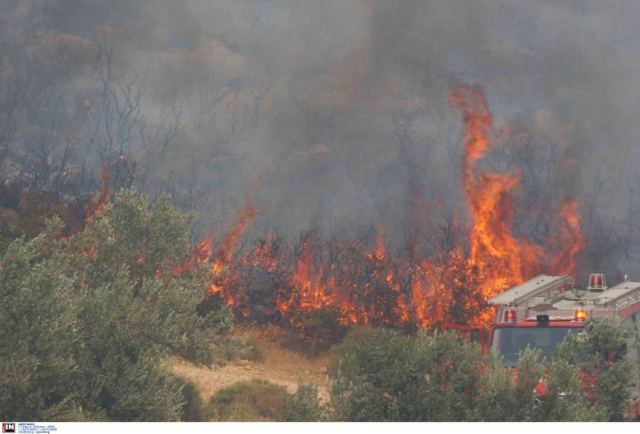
(308, 282)
(572, 240)
(98, 203)
(263, 254)
(501, 259)
(226, 250)
(370, 286)
(200, 253)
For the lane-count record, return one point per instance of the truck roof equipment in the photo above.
(542, 287)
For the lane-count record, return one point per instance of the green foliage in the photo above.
(599, 354)
(39, 335)
(304, 405)
(259, 400)
(566, 399)
(355, 337)
(248, 401)
(388, 376)
(124, 258)
(382, 375)
(87, 319)
(587, 380)
(193, 408)
(510, 395)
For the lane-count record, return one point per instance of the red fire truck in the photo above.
(542, 311)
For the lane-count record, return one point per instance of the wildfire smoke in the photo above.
(364, 286)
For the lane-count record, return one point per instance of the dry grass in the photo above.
(278, 365)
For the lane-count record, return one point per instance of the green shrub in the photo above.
(91, 316)
(382, 375)
(248, 401)
(303, 406)
(355, 337)
(378, 379)
(39, 327)
(600, 355)
(192, 410)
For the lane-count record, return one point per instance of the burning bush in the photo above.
(360, 282)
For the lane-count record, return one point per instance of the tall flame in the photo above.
(571, 239)
(364, 286)
(225, 252)
(500, 258)
(227, 248)
(307, 281)
(100, 200)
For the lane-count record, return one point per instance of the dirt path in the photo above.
(278, 365)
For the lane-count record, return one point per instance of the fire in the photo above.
(221, 256)
(572, 240)
(100, 200)
(368, 285)
(263, 254)
(501, 259)
(308, 293)
(224, 255)
(200, 253)
(94, 206)
(226, 250)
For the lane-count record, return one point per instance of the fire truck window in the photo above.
(509, 342)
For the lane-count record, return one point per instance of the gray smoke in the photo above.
(336, 112)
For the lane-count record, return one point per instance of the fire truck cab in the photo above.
(542, 311)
